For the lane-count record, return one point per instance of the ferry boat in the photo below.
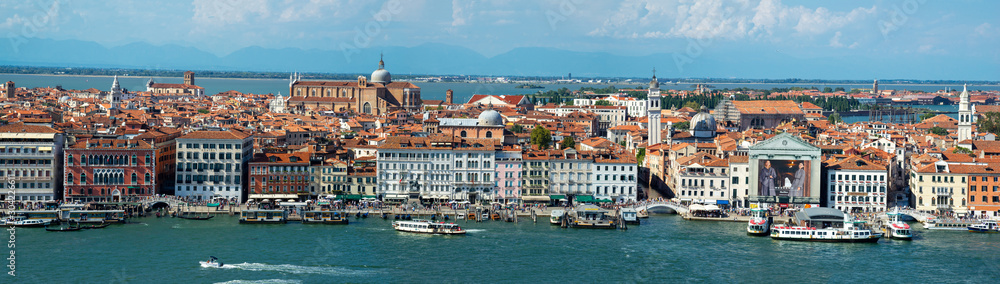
(556, 217)
(896, 228)
(262, 216)
(835, 226)
(428, 227)
(591, 217)
(986, 226)
(629, 216)
(759, 224)
(97, 216)
(948, 224)
(324, 217)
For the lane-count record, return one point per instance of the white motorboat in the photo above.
(759, 224)
(985, 226)
(556, 217)
(428, 227)
(21, 222)
(213, 262)
(896, 228)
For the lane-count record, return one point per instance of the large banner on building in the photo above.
(784, 178)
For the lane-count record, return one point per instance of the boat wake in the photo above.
(263, 281)
(475, 230)
(294, 269)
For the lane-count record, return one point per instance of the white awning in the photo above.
(273, 196)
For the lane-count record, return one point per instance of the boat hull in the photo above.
(844, 240)
(327, 222)
(981, 230)
(758, 233)
(263, 222)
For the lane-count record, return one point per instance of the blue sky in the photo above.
(898, 31)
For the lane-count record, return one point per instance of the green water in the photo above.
(664, 248)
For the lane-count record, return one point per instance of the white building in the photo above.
(571, 173)
(739, 175)
(212, 164)
(703, 179)
(278, 103)
(857, 185)
(633, 106)
(614, 177)
(438, 167)
(31, 161)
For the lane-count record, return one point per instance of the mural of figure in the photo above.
(767, 176)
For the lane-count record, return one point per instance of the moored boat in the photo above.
(948, 224)
(985, 226)
(896, 228)
(428, 227)
(825, 225)
(324, 217)
(629, 216)
(556, 217)
(22, 222)
(261, 216)
(759, 223)
(97, 216)
(591, 217)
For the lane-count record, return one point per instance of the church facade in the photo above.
(376, 96)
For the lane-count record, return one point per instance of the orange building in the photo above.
(984, 189)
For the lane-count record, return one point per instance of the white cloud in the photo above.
(987, 30)
(835, 40)
(11, 22)
(458, 14)
(225, 12)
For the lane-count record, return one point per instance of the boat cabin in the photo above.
(263, 216)
(97, 216)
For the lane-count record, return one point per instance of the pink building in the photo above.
(508, 175)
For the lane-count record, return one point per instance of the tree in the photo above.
(937, 130)
(602, 103)
(683, 125)
(569, 103)
(926, 116)
(828, 90)
(517, 128)
(693, 105)
(203, 111)
(838, 89)
(989, 122)
(639, 156)
(568, 142)
(961, 150)
(541, 137)
(834, 118)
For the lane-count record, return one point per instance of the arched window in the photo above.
(489, 134)
(135, 160)
(69, 178)
(463, 133)
(135, 178)
(83, 178)
(147, 179)
(757, 123)
(146, 161)
(83, 159)
(367, 108)
(70, 159)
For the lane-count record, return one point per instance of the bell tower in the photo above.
(189, 78)
(964, 116)
(653, 104)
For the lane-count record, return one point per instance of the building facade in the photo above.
(212, 164)
(114, 170)
(31, 160)
(280, 176)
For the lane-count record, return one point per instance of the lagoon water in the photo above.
(433, 91)
(665, 248)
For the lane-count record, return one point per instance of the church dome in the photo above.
(654, 84)
(703, 124)
(490, 118)
(381, 75)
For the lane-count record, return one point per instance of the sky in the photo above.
(894, 30)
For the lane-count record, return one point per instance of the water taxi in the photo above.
(629, 216)
(896, 228)
(985, 226)
(31, 218)
(826, 225)
(591, 217)
(97, 216)
(261, 216)
(324, 217)
(760, 223)
(428, 227)
(556, 217)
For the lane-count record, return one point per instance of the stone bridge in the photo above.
(919, 216)
(680, 209)
(171, 202)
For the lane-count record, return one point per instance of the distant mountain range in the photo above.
(528, 61)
